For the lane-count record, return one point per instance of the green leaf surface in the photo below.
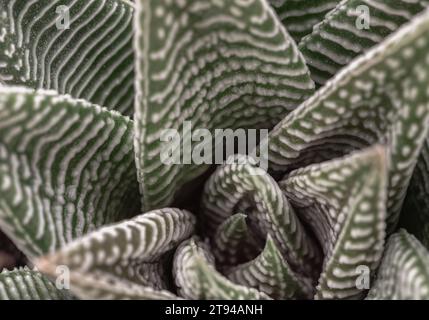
(352, 28)
(218, 64)
(344, 202)
(380, 97)
(124, 260)
(404, 270)
(26, 284)
(197, 278)
(92, 60)
(300, 16)
(66, 167)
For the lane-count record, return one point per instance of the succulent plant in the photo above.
(90, 210)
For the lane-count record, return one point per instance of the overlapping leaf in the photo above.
(92, 59)
(299, 17)
(270, 273)
(404, 271)
(197, 278)
(344, 202)
(125, 260)
(352, 28)
(26, 284)
(218, 64)
(244, 187)
(382, 96)
(66, 168)
(233, 243)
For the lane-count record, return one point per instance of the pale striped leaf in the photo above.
(93, 59)
(382, 96)
(125, 260)
(404, 271)
(197, 278)
(66, 168)
(300, 16)
(269, 273)
(244, 187)
(26, 284)
(344, 202)
(219, 64)
(343, 34)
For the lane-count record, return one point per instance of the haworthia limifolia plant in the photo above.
(332, 203)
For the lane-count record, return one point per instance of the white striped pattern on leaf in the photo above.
(404, 270)
(344, 202)
(300, 16)
(26, 284)
(219, 64)
(380, 97)
(338, 40)
(197, 278)
(66, 168)
(92, 60)
(246, 188)
(269, 273)
(124, 260)
(233, 243)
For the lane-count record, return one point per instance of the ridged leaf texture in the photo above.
(404, 270)
(380, 97)
(87, 193)
(300, 17)
(26, 284)
(66, 168)
(271, 274)
(92, 60)
(344, 202)
(197, 278)
(233, 242)
(219, 64)
(124, 260)
(244, 187)
(350, 29)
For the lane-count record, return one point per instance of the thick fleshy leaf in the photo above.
(382, 96)
(300, 16)
(404, 271)
(233, 243)
(244, 187)
(26, 284)
(344, 202)
(270, 273)
(217, 64)
(92, 59)
(66, 168)
(197, 278)
(352, 28)
(125, 260)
